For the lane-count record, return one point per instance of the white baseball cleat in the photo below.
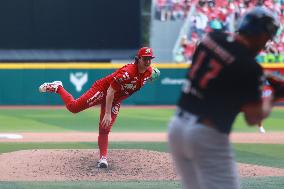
(261, 130)
(102, 163)
(50, 87)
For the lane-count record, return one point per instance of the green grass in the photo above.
(273, 123)
(60, 120)
(129, 120)
(263, 183)
(260, 154)
(155, 146)
(91, 185)
(246, 183)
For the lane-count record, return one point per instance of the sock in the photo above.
(69, 101)
(66, 97)
(103, 144)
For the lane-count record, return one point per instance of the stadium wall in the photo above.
(19, 82)
(64, 30)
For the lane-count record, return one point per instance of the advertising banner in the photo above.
(19, 82)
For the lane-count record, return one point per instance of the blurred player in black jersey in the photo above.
(224, 80)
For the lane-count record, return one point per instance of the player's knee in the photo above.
(73, 109)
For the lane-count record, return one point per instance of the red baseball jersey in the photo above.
(126, 81)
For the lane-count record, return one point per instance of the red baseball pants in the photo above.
(91, 98)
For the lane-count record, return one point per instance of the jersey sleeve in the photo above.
(254, 81)
(119, 78)
(244, 82)
(148, 74)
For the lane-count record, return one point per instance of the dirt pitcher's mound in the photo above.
(58, 165)
(44, 165)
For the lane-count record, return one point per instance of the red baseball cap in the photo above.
(145, 51)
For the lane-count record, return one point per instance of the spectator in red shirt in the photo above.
(189, 46)
(109, 92)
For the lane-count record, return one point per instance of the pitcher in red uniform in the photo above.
(109, 92)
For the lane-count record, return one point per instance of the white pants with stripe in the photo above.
(203, 156)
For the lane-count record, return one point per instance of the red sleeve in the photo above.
(150, 70)
(119, 78)
(148, 75)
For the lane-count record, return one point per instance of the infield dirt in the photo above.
(58, 165)
(64, 165)
(269, 138)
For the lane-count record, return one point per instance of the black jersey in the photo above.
(223, 77)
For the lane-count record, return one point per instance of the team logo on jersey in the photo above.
(119, 80)
(115, 108)
(78, 79)
(95, 98)
(130, 86)
(124, 77)
(147, 79)
(148, 51)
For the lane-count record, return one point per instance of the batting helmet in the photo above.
(259, 20)
(145, 51)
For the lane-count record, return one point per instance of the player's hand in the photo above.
(106, 120)
(155, 74)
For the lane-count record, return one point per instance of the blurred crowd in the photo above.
(217, 15)
(166, 10)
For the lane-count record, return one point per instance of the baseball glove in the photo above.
(276, 81)
(155, 74)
